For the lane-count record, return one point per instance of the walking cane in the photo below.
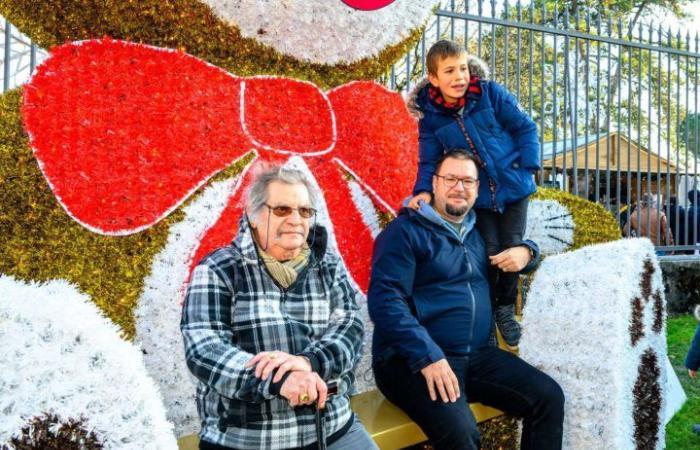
(321, 418)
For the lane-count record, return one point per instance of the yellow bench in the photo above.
(390, 428)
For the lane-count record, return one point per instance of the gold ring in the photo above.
(303, 398)
(272, 356)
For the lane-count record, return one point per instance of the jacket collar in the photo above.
(429, 218)
(245, 245)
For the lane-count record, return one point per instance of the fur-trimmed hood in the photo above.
(477, 67)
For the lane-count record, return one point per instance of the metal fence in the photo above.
(616, 104)
(19, 56)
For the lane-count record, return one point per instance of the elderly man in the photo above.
(430, 304)
(269, 321)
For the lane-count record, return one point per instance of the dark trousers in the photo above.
(500, 232)
(490, 376)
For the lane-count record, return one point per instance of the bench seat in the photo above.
(390, 428)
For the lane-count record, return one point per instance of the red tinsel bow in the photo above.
(124, 133)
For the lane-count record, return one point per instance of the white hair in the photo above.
(257, 194)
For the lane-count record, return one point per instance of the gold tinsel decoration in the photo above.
(188, 25)
(594, 224)
(500, 433)
(40, 242)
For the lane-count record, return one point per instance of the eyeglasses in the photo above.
(283, 211)
(451, 181)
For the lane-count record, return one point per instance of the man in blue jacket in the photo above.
(429, 301)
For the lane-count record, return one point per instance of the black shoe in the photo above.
(509, 327)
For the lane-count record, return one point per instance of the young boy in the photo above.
(459, 111)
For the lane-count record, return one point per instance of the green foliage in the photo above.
(678, 431)
(690, 133)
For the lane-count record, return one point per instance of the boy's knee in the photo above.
(493, 249)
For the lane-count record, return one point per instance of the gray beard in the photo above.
(455, 211)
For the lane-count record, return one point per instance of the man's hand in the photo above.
(266, 362)
(413, 203)
(439, 375)
(513, 259)
(692, 373)
(304, 388)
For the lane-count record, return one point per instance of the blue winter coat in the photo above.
(429, 293)
(505, 137)
(692, 360)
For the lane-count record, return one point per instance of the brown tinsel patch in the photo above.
(658, 312)
(189, 25)
(647, 402)
(637, 323)
(40, 242)
(49, 432)
(645, 283)
(637, 319)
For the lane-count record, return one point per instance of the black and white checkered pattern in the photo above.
(234, 310)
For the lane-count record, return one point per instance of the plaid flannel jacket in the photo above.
(234, 309)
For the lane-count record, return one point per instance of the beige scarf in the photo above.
(285, 272)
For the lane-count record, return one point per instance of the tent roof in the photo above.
(624, 154)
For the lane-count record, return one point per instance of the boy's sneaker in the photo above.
(509, 327)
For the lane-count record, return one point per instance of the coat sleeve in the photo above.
(537, 256)
(429, 151)
(337, 351)
(519, 125)
(390, 290)
(692, 360)
(207, 336)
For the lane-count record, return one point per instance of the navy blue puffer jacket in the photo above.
(428, 293)
(505, 137)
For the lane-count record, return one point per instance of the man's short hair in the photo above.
(441, 50)
(456, 153)
(257, 193)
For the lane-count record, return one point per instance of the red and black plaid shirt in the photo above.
(473, 92)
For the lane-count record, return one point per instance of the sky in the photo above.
(691, 24)
(694, 9)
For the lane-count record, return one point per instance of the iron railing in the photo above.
(20, 56)
(616, 103)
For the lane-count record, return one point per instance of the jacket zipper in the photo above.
(453, 234)
(473, 300)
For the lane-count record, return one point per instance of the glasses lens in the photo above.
(306, 212)
(282, 211)
(451, 181)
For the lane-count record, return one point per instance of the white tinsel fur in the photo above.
(160, 306)
(60, 355)
(551, 225)
(324, 31)
(576, 329)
